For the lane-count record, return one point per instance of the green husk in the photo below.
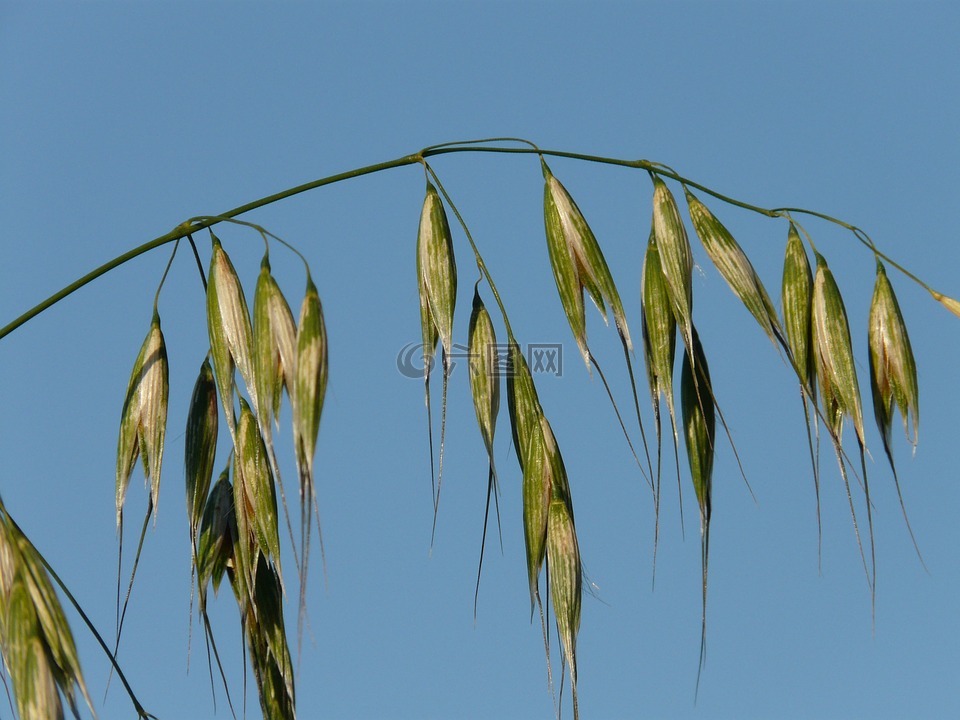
(484, 371)
(522, 403)
(437, 283)
(893, 369)
(578, 263)
(893, 375)
(437, 268)
(38, 648)
(834, 353)
(218, 530)
(734, 266)
(562, 261)
(526, 423)
(797, 303)
(143, 420)
(676, 259)
(840, 391)
(659, 327)
(231, 333)
(275, 345)
(200, 446)
(797, 300)
(699, 421)
(659, 330)
(311, 384)
(254, 491)
(31, 671)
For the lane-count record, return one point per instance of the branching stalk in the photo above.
(470, 146)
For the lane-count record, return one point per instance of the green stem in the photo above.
(185, 229)
(89, 277)
(648, 165)
(482, 141)
(471, 146)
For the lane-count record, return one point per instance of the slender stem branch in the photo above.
(648, 165)
(89, 277)
(264, 233)
(196, 256)
(166, 271)
(470, 146)
(863, 237)
(185, 229)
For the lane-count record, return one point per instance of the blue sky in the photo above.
(120, 120)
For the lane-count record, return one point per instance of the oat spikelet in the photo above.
(578, 263)
(437, 282)
(485, 389)
(143, 420)
(39, 652)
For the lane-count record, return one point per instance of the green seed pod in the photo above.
(200, 446)
(484, 371)
(659, 327)
(437, 271)
(231, 334)
(522, 403)
(578, 263)
(734, 266)
(254, 491)
(217, 531)
(528, 439)
(39, 651)
(311, 368)
(834, 353)
(676, 258)
(893, 369)
(797, 300)
(275, 345)
(143, 420)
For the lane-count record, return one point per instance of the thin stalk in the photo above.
(470, 146)
(166, 271)
(482, 141)
(185, 229)
(864, 238)
(196, 256)
(648, 165)
(264, 233)
(668, 172)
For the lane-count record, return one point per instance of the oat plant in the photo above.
(259, 355)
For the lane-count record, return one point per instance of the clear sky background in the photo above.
(120, 120)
